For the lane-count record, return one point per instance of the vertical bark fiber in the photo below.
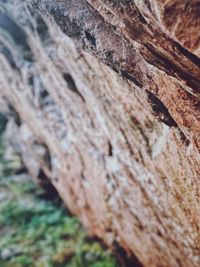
(121, 142)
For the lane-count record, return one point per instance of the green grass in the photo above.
(40, 233)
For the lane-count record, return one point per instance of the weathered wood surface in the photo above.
(121, 147)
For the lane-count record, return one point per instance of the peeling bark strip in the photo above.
(140, 52)
(182, 19)
(132, 179)
(155, 47)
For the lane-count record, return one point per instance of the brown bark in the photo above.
(121, 147)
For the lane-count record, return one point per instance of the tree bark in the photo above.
(121, 142)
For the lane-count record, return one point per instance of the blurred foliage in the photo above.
(38, 232)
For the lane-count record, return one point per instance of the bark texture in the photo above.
(120, 142)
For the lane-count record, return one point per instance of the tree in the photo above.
(121, 142)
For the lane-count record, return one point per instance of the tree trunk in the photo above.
(121, 142)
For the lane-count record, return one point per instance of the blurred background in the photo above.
(35, 227)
